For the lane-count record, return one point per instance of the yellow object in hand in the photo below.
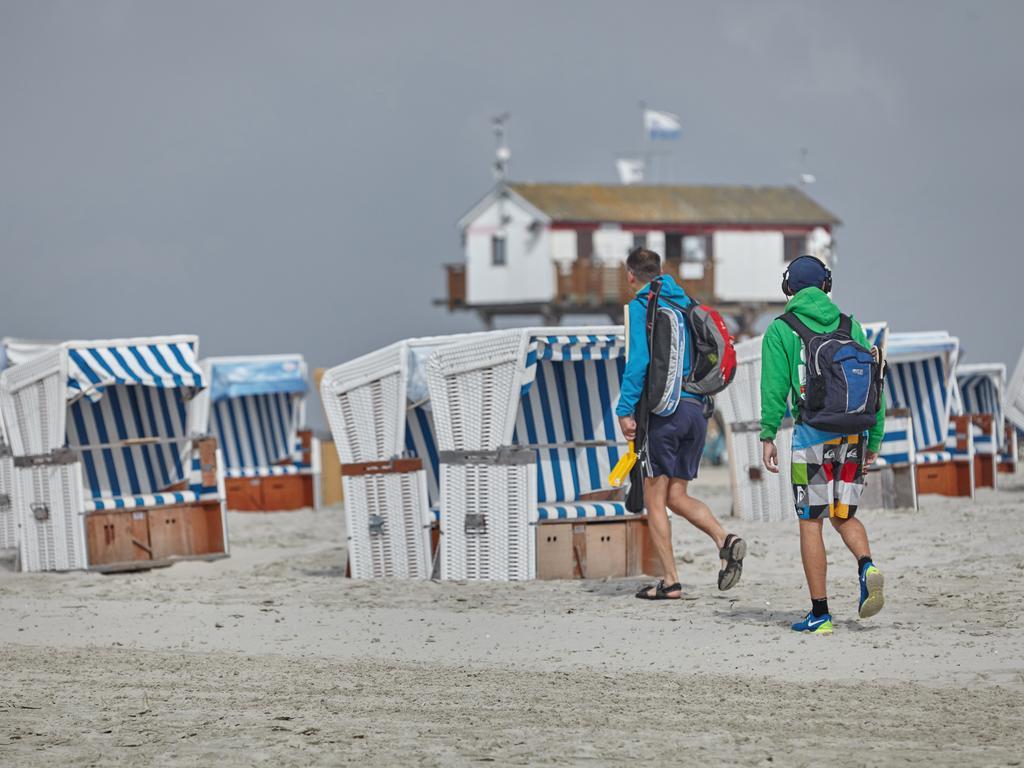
(623, 467)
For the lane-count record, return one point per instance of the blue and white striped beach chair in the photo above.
(256, 408)
(981, 395)
(111, 472)
(527, 435)
(921, 378)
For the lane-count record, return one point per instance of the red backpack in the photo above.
(712, 353)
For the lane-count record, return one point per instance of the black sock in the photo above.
(819, 607)
(861, 562)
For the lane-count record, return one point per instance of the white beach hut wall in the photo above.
(110, 471)
(527, 436)
(255, 406)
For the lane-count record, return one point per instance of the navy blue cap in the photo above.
(806, 271)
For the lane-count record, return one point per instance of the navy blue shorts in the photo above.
(675, 443)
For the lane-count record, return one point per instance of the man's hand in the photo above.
(770, 456)
(870, 457)
(628, 426)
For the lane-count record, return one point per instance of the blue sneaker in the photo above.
(817, 625)
(871, 598)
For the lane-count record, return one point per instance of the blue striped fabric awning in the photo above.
(261, 375)
(981, 391)
(876, 333)
(920, 378)
(165, 363)
(572, 402)
(421, 442)
(570, 348)
(256, 431)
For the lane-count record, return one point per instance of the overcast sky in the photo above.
(286, 176)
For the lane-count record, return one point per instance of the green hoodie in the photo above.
(781, 352)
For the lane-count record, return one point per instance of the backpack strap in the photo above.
(846, 325)
(652, 308)
(801, 330)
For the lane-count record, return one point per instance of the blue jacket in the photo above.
(635, 378)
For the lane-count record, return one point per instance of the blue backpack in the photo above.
(844, 379)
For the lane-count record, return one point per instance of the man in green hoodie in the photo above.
(827, 468)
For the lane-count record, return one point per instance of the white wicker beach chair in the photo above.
(527, 435)
(379, 411)
(8, 524)
(110, 472)
(256, 408)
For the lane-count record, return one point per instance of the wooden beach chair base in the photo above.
(984, 471)
(595, 549)
(950, 478)
(141, 538)
(284, 493)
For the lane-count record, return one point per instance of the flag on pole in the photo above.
(662, 125)
(631, 170)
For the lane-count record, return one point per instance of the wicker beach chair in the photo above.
(379, 411)
(527, 435)
(256, 408)
(922, 380)
(110, 470)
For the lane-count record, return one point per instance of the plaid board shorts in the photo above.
(829, 478)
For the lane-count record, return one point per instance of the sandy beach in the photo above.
(272, 657)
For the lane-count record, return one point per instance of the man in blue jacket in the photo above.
(675, 443)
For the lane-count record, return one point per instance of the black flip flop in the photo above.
(733, 552)
(660, 591)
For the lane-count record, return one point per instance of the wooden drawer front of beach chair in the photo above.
(168, 532)
(287, 492)
(555, 559)
(117, 537)
(605, 552)
(984, 470)
(244, 494)
(948, 478)
(205, 529)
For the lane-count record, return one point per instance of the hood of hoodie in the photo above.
(669, 289)
(815, 309)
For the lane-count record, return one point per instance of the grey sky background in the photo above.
(286, 176)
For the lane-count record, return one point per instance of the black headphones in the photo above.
(826, 287)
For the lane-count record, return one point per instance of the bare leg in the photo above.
(655, 493)
(695, 512)
(812, 552)
(855, 537)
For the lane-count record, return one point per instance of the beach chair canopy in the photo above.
(14, 351)
(128, 413)
(552, 390)
(255, 408)
(981, 388)
(570, 386)
(1013, 400)
(921, 378)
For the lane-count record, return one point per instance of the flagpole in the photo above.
(646, 142)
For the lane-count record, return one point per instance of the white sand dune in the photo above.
(271, 657)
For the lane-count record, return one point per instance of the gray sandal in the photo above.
(733, 552)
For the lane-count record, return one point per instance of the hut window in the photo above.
(498, 256)
(794, 246)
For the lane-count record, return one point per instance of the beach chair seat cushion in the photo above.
(164, 499)
(934, 457)
(274, 471)
(582, 510)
